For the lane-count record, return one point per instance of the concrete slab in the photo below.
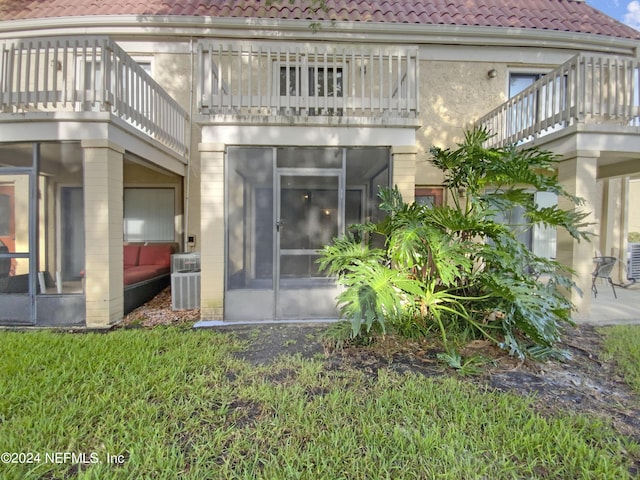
(607, 310)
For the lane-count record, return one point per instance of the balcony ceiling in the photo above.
(573, 16)
(616, 147)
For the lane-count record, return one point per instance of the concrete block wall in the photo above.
(212, 230)
(103, 200)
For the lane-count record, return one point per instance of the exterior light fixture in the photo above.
(493, 73)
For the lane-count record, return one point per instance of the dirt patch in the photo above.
(583, 383)
(268, 342)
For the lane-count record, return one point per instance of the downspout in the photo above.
(190, 136)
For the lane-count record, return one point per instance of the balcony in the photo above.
(599, 94)
(86, 74)
(307, 84)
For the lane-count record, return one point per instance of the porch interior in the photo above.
(587, 112)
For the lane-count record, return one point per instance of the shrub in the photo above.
(457, 266)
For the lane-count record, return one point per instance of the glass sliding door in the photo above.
(15, 282)
(72, 233)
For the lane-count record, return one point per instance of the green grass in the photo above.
(176, 403)
(622, 342)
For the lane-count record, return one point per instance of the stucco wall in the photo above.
(173, 72)
(452, 96)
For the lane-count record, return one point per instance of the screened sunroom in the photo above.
(43, 234)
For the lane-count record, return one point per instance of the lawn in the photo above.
(175, 403)
(622, 343)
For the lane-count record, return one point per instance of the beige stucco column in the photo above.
(578, 176)
(103, 217)
(404, 171)
(212, 230)
(614, 224)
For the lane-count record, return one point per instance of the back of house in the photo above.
(250, 134)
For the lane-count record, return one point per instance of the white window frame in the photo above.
(543, 239)
(541, 108)
(301, 96)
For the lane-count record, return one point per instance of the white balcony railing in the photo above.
(307, 80)
(590, 89)
(87, 74)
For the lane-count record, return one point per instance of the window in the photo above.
(319, 81)
(515, 219)
(323, 83)
(134, 88)
(428, 196)
(520, 81)
(313, 81)
(149, 214)
(6, 214)
(524, 114)
(539, 107)
(544, 238)
(541, 240)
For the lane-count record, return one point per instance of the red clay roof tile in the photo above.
(565, 15)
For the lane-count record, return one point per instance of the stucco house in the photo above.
(253, 133)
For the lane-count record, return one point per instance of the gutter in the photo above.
(187, 195)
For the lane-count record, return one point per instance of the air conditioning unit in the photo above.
(633, 270)
(185, 290)
(185, 281)
(185, 261)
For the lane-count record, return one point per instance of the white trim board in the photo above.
(307, 135)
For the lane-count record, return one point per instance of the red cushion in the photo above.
(155, 255)
(131, 253)
(144, 272)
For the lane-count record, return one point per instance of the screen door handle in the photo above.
(279, 224)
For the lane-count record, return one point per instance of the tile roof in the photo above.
(574, 16)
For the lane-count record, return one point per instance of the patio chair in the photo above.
(604, 266)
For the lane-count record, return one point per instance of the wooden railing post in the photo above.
(310, 80)
(101, 76)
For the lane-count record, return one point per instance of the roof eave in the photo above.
(196, 26)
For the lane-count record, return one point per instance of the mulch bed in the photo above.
(158, 311)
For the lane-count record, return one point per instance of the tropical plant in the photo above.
(457, 266)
